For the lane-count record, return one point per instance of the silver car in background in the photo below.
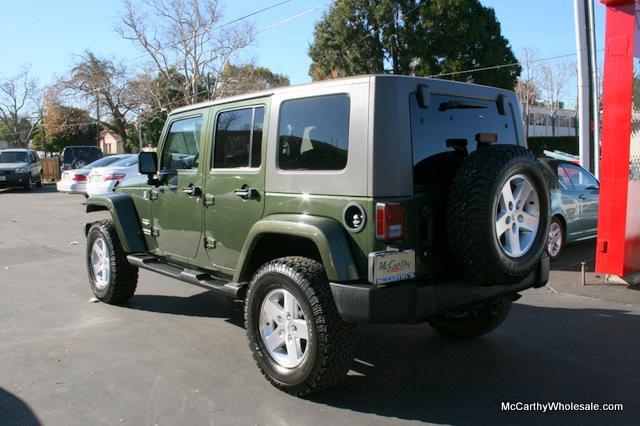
(575, 194)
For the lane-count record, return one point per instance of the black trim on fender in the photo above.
(415, 301)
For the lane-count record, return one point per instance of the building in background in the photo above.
(4, 144)
(110, 143)
(541, 123)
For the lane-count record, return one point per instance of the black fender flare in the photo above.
(125, 219)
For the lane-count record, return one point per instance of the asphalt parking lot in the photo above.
(176, 354)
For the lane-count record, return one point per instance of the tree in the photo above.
(66, 125)
(526, 87)
(186, 38)
(414, 37)
(248, 78)
(104, 83)
(554, 78)
(19, 104)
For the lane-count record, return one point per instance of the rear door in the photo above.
(234, 190)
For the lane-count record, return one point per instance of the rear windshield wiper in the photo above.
(459, 105)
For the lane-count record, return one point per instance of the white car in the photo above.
(102, 180)
(74, 181)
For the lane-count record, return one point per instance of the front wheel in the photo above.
(555, 242)
(298, 339)
(473, 322)
(112, 278)
(40, 180)
(28, 184)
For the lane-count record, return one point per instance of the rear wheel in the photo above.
(298, 339)
(474, 322)
(555, 242)
(112, 278)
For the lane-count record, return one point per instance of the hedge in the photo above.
(568, 144)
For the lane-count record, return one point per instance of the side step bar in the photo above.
(191, 276)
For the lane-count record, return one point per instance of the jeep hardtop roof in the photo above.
(470, 89)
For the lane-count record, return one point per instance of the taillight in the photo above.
(113, 176)
(79, 178)
(389, 221)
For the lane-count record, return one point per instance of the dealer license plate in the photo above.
(3, 178)
(390, 266)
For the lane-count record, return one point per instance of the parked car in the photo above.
(74, 181)
(20, 168)
(575, 195)
(77, 157)
(372, 199)
(102, 180)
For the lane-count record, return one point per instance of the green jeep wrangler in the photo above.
(375, 199)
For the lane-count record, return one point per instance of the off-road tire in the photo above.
(471, 206)
(123, 277)
(474, 322)
(330, 349)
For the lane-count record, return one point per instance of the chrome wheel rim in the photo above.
(517, 218)
(283, 328)
(100, 263)
(554, 242)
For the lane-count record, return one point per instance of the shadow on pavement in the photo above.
(14, 411)
(205, 304)
(539, 355)
(573, 254)
(46, 189)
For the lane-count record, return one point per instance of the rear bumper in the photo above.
(100, 188)
(71, 187)
(415, 301)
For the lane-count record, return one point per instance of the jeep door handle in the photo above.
(192, 191)
(246, 193)
(582, 197)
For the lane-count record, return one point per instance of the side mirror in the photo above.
(148, 163)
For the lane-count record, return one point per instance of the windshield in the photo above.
(126, 162)
(87, 154)
(105, 161)
(13, 157)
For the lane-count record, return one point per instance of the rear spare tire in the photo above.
(498, 214)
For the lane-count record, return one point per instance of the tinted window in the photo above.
(313, 133)
(580, 178)
(88, 154)
(445, 132)
(13, 157)
(238, 140)
(182, 146)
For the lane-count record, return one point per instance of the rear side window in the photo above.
(238, 141)
(313, 133)
(182, 147)
(446, 131)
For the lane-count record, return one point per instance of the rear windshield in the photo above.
(105, 161)
(126, 162)
(88, 154)
(13, 157)
(443, 133)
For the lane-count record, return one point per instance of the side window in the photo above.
(580, 178)
(564, 182)
(313, 133)
(238, 139)
(182, 146)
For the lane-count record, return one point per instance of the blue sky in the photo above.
(46, 34)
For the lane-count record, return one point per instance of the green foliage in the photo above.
(568, 144)
(235, 80)
(413, 37)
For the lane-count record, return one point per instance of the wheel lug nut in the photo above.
(293, 328)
